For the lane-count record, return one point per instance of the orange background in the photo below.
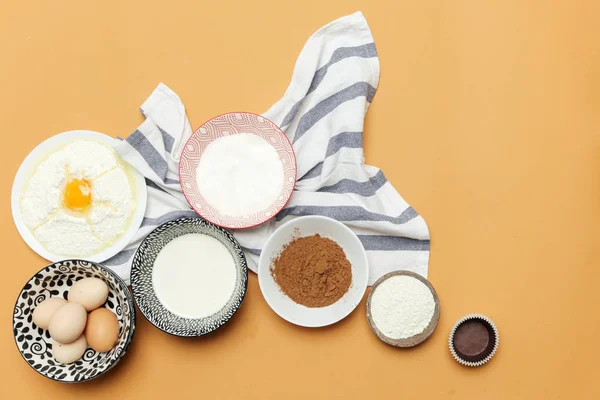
(486, 120)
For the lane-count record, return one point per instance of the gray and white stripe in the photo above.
(322, 113)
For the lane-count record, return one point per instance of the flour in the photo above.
(240, 175)
(402, 307)
(68, 235)
(113, 205)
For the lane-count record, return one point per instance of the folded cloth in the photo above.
(153, 149)
(322, 113)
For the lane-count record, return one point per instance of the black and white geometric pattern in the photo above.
(35, 343)
(143, 289)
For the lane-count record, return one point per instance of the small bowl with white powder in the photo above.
(189, 277)
(403, 309)
(238, 170)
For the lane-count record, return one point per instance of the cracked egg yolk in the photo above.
(78, 195)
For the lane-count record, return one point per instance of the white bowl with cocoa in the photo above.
(313, 271)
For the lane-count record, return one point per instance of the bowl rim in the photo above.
(327, 220)
(244, 288)
(252, 225)
(132, 318)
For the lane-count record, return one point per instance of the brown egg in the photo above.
(44, 312)
(70, 352)
(67, 323)
(102, 330)
(89, 292)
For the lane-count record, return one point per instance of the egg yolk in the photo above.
(78, 195)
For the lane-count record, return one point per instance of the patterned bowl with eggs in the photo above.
(35, 344)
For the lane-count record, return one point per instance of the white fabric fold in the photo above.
(322, 113)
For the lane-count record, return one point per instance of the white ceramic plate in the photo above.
(28, 167)
(298, 314)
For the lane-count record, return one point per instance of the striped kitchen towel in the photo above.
(322, 113)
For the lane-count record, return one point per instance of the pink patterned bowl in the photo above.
(233, 124)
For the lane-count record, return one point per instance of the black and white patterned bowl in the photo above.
(143, 289)
(35, 344)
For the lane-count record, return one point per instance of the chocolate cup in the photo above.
(473, 340)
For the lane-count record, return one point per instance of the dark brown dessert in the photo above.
(474, 340)
(471, 338)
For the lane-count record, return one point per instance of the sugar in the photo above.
(240, 175)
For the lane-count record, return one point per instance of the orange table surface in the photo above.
(486, 119)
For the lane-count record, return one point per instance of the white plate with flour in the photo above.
(38, 155)
(238, 170)
(299, 314)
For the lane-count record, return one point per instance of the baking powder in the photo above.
(402, 307)
(240, 174)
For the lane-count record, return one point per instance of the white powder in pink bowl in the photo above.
(240, 175)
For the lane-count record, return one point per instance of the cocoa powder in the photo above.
(313, 271)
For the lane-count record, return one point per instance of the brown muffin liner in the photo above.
(487, 354)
